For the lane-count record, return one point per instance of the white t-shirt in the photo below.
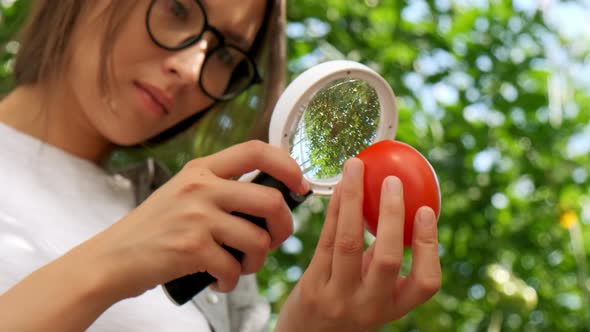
(50, 201)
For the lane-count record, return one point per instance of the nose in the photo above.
(187, 64)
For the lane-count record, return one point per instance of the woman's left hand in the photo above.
(347, 289)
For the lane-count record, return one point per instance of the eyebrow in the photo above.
(234, 38)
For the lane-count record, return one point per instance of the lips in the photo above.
(159, 96)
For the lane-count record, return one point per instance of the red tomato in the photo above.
(418, 178)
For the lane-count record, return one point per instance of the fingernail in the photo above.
(353, 168)
(393, 185)
(426, 216)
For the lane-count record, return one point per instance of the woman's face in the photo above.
(152, 89)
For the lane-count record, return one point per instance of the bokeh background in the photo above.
(495, 94)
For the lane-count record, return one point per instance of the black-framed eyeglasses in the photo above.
(178, 24)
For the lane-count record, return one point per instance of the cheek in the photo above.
(106, 114)
(84, 79)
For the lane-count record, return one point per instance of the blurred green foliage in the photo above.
(496, 97)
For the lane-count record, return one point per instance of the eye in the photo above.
(178, 10)
(226, 57)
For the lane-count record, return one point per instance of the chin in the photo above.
(125, 139)
(125, 133)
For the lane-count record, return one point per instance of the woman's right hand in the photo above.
(180, 228)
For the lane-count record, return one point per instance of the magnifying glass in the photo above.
(325, 116)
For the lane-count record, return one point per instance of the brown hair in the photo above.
(46, 35)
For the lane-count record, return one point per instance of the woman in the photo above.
(77, 254)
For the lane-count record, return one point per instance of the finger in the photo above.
(219, 263)
(251, 199)
(389, 249)
(348, 243)
(321, 262)
(250, 240)
(424, 279)
(246, 157)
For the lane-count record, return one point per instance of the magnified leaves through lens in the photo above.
(340, 121)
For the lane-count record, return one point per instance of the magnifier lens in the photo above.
(338, 122)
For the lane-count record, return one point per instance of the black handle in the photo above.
(183, 289)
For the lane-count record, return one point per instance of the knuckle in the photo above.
(397, 202)
(389, 264)
(189, 245)
(233, 275)
(183, 247)
(194, 184)
(254, 262)
(427, 238)
(262, 242)
(326, 244)
(347, 245)
(251, 264)
(193, 164)
(226, 285)
(285, 232)
(337, 311)
(368, 318)
(394, 206)
(193, 215)
(275, 201)
(257, 147)
(196, 168)
(309, 296)
(349, 192)
(429, 286)
(280, 215)
(230, 276)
